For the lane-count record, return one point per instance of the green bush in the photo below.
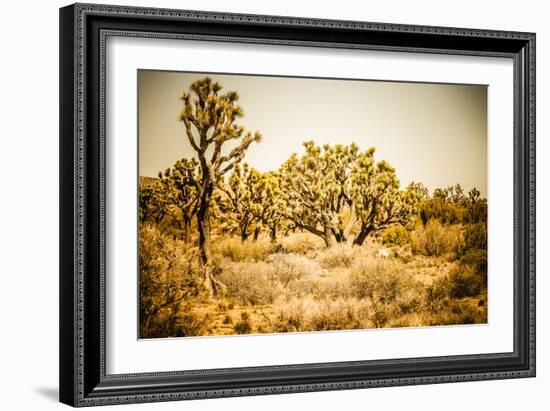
(396, 235)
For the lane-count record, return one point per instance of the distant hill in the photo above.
(145, 181)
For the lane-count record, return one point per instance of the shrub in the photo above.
(457, 312)
(477, 259)
(307, 314)
(435, 240)
(386, 285)
(301, 243)
(466, 281)
(243, 326)
(291, 267)
(475, 236)
(439, 209)
(249, 283)
(396, 235)
(463, 281)
(341, 255)
(169, 281)
(377, 279)
(241, 251)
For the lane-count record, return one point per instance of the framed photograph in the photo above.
(261, 204)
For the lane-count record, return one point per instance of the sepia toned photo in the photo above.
(275, 204)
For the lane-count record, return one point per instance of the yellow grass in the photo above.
(300, 285)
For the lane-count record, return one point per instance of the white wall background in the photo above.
(29, 204)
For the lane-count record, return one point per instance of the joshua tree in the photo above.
(238, 200)
(209, 119)
(316, 189)
(249, 202)
(379, 202)
(180, 185)
(152, 203)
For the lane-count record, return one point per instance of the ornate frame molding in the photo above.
(82, 315)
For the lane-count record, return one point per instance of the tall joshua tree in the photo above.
(209, 118)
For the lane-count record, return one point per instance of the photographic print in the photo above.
(273, 204)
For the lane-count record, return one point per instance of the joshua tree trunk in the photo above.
(256, 233)
(203, 225)
(186, 228)
(244, 230)
(212, 285)
(273, 234)
(362, 235)
(329, 238)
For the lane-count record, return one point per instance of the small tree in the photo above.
(238, 199)
(209, 119)
(151, 201)
(181, 186)
(269, 214)
(249, 202)
(456, 193)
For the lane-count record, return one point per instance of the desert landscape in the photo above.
(328, 240)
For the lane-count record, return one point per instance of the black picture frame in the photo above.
(83, 29)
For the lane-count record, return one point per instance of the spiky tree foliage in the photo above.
(210, 119)
(420, 190)
(269, 214)
(152, 202)
(441, 194)
(456, 193)
(248, 202)
(181, 185)
(317, 191)
(379, 202)
(477, 207)
(238, 199)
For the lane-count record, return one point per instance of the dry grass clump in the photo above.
(387, 286)
(301, 243)
(244, 326)
(463, 281)
(308, 314)
(239, 251)
(249, 282)
(396, 236)
(269, 288)
(341, 255)
(291, 267)
(378, 278)
(457, 312)
(170, 281)
(434, 239)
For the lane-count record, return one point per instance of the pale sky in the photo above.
(432, 133)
